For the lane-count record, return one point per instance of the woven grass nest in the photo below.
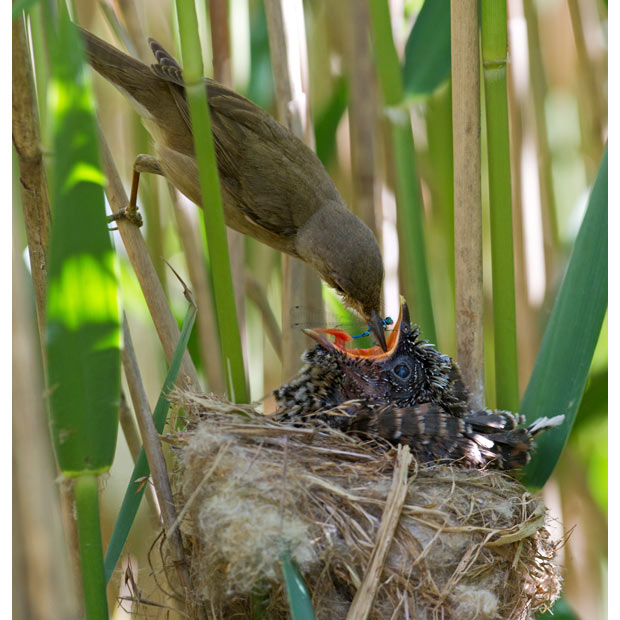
(466, 543)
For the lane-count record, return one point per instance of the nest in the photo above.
(465, 544)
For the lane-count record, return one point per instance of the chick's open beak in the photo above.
(377, 327)
(387, 347)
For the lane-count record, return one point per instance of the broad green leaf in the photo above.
(83, 324)
(427, 54)
(83, 328)
(594, 404)
(561, 370)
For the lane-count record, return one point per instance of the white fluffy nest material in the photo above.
(466, 543)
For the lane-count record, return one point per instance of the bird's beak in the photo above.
(319, 335)
(385, 349)
(377, 328)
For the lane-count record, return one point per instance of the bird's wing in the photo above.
(432, 434)
(479, 439)
(263, 167)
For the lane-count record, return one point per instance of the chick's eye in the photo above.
(402, 371)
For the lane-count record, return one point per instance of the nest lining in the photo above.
(469, 543)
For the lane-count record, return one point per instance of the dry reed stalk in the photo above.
(538, 82)
(220, 41)
(42, 579)
(529, 338)
(208, 341)
(120, 32)
(128, 426)
(301, 287)
(365, 596)
(588, 96)
(467, 195)
(159, 471)
(32, 177)
(164, 322)
(258, 296)
(362, 117)
(132, 434)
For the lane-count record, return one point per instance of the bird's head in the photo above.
(345, 253)
(410, 371)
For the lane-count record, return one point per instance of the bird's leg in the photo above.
(143, 163)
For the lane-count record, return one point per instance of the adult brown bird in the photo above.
(274, 188)
(410, 394)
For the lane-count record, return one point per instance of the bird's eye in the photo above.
(402, 371)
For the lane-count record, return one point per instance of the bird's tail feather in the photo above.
(133, 77)
(511, 446)
(106, 59)
(542, 424)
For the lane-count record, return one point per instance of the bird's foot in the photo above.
(129, 213)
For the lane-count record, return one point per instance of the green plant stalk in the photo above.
(561, 370)
(494, 51)
(408, 194)
(439, 131)
(215, 226)
(91, 551)
(411, 229)
(138, 481)
(441, 166)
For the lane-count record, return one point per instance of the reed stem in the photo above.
(465, 55)
(223, 292)
(494, 53)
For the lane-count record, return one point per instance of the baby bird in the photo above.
(410, 394)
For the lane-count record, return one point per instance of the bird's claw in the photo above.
(129, 213)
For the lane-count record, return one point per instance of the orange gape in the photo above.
(341, 338)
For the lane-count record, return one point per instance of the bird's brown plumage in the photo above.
(274, 187)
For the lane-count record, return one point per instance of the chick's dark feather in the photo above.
(412, 395)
